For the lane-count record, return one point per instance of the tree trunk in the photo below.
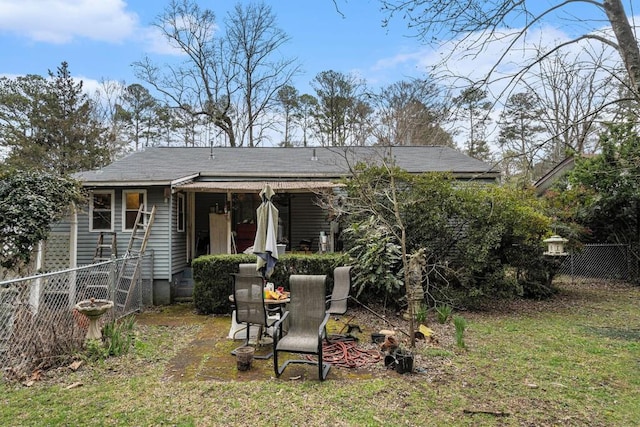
(224, 123)
(627, 45)
(415, 293)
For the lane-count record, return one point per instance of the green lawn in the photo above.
(571, 361)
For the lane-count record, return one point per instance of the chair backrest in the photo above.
(247, 269)
(248, 298)
(307, 306)
(341, 288)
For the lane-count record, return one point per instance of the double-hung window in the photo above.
(101, 210)
(131, 202)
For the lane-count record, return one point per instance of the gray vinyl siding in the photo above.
(178, 240)
(158, 241)
(87, 240)
(307, 220)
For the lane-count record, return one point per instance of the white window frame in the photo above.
(181, 213)
(112, 208)
(124, 206)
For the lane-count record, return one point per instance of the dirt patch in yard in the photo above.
(208, 355)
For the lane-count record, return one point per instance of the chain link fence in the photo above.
(39, 325)
(602, 261)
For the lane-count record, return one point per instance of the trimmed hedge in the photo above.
(212, 275)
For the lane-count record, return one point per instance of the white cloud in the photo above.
(156, 42)
(402, 59)
(62, 21)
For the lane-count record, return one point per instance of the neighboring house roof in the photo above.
(175, 165)
(558, 171)
(551, 177)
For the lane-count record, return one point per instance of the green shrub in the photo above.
(95, 350)
(213, 283)
(118, 336)
(379, 258)
(473, 236)
(421, 315)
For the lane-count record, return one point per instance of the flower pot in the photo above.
(390, 361)
(404, 363)
(244, 357)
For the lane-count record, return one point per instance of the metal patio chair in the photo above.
(307, 317)
(341, 287)
(247, 269)
(248, 297)
(337, 303)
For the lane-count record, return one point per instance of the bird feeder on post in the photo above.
(555, 246)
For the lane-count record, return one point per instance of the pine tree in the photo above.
(50, 124)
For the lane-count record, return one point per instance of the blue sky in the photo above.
(100, 39)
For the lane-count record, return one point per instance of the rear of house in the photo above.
(206, 199)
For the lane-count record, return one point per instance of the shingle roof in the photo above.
(164, 165)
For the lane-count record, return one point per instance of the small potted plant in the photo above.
(398, 358)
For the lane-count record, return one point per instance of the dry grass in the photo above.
(569, 361)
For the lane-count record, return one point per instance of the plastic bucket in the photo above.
(404, 363)
(244, 357)
(390, 361)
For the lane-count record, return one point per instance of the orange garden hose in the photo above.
(346, 354)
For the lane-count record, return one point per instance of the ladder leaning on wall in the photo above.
(130, 269)
(101, 276)
(106, 250)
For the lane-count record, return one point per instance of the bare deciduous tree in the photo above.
(231, 77)
(106, 99)
(410, 113)
(205, 79)
(572, 94)
(254, 37)
(477, 22)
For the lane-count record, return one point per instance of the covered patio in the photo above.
(221, 215)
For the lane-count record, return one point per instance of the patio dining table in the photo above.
(268, 302)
